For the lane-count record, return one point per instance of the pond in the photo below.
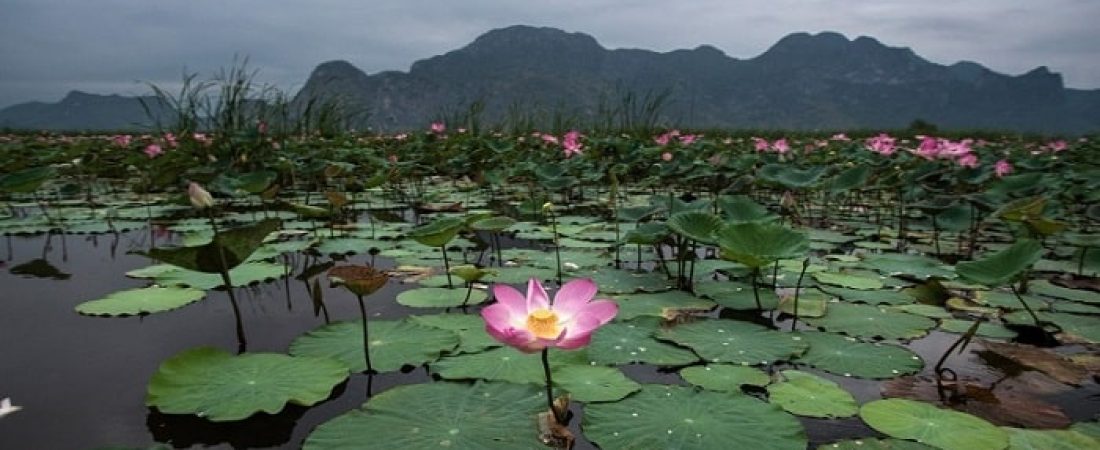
(704, 350)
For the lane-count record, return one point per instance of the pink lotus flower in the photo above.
(1057, 146)
(122, 140)
(170, 139)
(549, 139)
(687, 139)
(202, 138)
(438, 127)
(662, 140)
(968, 160)
(780, 146)
(153, 150)
(666, 156)
(929, 147)
(840, 137)
(761, 145)
(571, 143)
(1002, 168)
(534, 323)
(882, 144)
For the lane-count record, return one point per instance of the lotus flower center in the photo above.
(543, 323)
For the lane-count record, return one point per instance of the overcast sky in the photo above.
(48, 47)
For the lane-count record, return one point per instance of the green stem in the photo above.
(1034, 317)
(447, 267)
(550, 387)
(798, 290)
(755, 291)
(366, 334)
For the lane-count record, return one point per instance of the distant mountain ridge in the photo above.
(805, 81)
(81, 111)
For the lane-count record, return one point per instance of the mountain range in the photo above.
(821, 81)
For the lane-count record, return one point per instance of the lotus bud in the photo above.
(200, 198)
(547, 207)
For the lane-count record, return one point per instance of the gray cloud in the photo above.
(48, 47)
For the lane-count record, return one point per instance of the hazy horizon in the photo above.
(51, 47)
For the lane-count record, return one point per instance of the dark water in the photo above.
(81, 380)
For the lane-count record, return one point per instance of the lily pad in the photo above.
(684, 418)
(393, 344)
(738, 296)
(849, 281)
(849, 357)
(943, 428)
(1002, 267)
(724, 377)
(232, 247)
(698, 226)
(757, 245)
(141, 301)
(241, 276)
(806, 394)
(633, 342)
(875, 444)
(470, 328)
(431, 297)
(1022, 439)
(505, 364)
(594, 383)
(660, 304)
(872, 321)
(488, 416)
(214, 384)
(737, 342)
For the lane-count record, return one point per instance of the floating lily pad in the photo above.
(633, 342)
(849, 281)
(914, 265)
(724, 377)
(1002, 267)
(987, 329)
(623, 282)
(875, 444)
(849, 357)
(1021, 439)
(873, 297)
(393, 344)
(470, 328)
(660, 304)
(141, 301)
(943, 428)
(1046, 288)
(431, 297)
(738, 296)
(594, 383)
(232, 247)
(214, 384)
(488, 416)
(806, 394)
(684, 418)
(872, 321)
(242, 275)
(737, 342)
(929, 311)
(505, 364)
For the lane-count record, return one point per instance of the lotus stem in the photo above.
(1034, 317)
(366, 334)
(755, 289)
(447, 266)
(557, 244)
(224, 271)
(1081, 262)
(559, 417)
(798, 290)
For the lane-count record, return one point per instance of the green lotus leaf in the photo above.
(26, 181)
(393, 344)
(146, 300)
(730, 341)
(495, 224)
(1002, 267)
(1021, 439)
(875, 444)
(485, 416)
(649, 233)
(470, 328)
(218, 386)
(243, 275)
(757, 245)
(234, 245)
(791, 177)
(849, 179)
(633, 342)
(738, 296)
(741, 209)
(438, 232)
(684, 418)
(872, 322)
(698, 226)
(661, 304)
(927, 424)
(848, 280)
(724, 377)
(806, 394)
(431, 297)
(848, 356)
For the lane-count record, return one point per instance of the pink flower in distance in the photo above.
(153, 150)
(882, 144)
(438, 127)
(1002, 168)
(532, 323)
(1057, 146)
(780, 146)
(666, 156)
(662, 140)
(170, 139)
(968, 160)
(687, 139)
(571, 143)
(840, 137)
(549, 139)
(761, 145)
(122, 140)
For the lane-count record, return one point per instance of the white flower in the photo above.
(7, 408)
